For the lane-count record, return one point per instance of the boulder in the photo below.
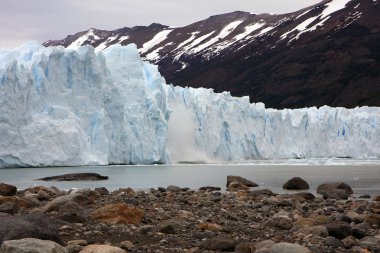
(296, 183)
(376, 198)
(101, 249)
(264, 244)
(31, 245)
(168, 227)
(262, 192)
(339, 229)
(75, 177)
(333, 186)
(219, 244)
(284, 247)
(211, 227)
(320, 231)
(236, 186)
(373, 219)
(304, 195)
(283, 223)
(56, 203)
(9, 207)
(334, 242)
(210, 188)
(118, 214)
(7, 189)
(102, 191)
(240, 180)
(173, 188)
(29, 226)
(20, 202)
(336, 194)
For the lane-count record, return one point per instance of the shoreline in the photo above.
(173, 219)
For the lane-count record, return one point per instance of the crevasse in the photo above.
(64, 107)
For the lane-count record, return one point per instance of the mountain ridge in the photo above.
(325, 54)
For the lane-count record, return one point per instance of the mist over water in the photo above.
(180, 142)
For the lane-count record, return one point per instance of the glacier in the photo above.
(72, 107)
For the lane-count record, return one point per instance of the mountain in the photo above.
(326, 54)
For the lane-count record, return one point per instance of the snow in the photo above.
(62, 107)
(248, 30)
(192, 37)
(193, 44)
(79, 42)
(265, 30)
(157, 39)
(224, 33)
(300, 27)
(333, 6)
(122, 38)
(303, 14)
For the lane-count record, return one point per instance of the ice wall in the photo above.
(63, 107)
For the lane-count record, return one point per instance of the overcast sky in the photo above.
(41, 20)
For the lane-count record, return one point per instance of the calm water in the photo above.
(362, 175)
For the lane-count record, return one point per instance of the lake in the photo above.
(362, 175)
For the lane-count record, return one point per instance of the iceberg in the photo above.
(72, 107)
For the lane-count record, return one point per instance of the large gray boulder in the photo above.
(31, 245)
(29, 226)
(284, 247)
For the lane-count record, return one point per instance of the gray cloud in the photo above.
(41, 20)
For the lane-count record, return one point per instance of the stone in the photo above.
(370, 243)
(284, 247)
(373, 219)
(173, 188)
(9, 207)
(211, 227)
(210, 188)
(236, 186)
(219, 244)
(31, 245)
(333, 186)
(75, 177)
(56, 203)
(261, 192)
(127, 245)
(73, 248)
(70, 207)
(102, 191)
(349, 242)
(320, 231)
(20, 202)
(334, 242)
(339, 229)
(240, 180)
(264, 244)
(336, 194)
(29, 226)
(296, 183)
(102, 249)
(244, 248)
(7, 189)
(376, 198)
(118, 214)
(168, 227)
(43, 195)
(78, 242)
(304, 195)
(283, 223)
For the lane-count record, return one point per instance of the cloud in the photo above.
(24, 20)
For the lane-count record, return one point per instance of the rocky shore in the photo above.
(240, 218)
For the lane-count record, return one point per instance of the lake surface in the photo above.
(362, 175)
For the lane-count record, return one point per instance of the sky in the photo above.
(42, 20)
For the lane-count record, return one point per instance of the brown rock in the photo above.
(376, 198)
(323, 188)
(244, 248)
(20, 202)
(282, 223)
(102, 249)
(118, 214)
(56, 203)
(373, 219)
(339, 229)
(7, 189)
(211, 227)
(219, 244)
(296, 183)
(240, 180)
(236, 186)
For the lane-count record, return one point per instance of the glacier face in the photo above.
(64, 107)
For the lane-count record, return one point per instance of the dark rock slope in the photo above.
(328, 53)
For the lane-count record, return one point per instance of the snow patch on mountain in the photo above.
(157, 39)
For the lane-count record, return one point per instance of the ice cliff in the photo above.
(64, 107)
